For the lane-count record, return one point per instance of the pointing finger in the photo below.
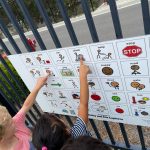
(81, 60)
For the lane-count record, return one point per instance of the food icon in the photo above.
(95, 97)
(113, 84)
(116, 98)
(119, 110)
(107, 71)
(137, 85)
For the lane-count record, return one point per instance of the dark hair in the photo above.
(50, 131)
(85, 143)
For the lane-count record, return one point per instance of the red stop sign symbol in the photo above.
(132, 51)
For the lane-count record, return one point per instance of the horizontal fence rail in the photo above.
(32, 116)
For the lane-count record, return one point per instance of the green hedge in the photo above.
(11, 95)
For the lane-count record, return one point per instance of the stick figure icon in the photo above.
(99, 53)
(74, 84)
(108, 56)
(38, 72)
(78, 56)
(61, 58)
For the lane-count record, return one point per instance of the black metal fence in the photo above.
(14, 105)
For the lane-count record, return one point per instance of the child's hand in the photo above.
(41, 82)
(84, 69)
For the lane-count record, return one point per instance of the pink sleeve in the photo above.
(19, 117)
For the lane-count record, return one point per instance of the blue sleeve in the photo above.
(32, 146)
(79, 129)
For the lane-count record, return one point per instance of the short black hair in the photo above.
(85, 143)
(50, 131)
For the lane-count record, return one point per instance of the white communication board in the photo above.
(119, 82)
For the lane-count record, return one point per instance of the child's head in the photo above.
(50, 132)
(85, 143)
(7, 127)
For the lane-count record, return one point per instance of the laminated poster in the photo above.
(119, 82)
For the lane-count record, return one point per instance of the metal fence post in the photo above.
(12, 110)
(67, 21)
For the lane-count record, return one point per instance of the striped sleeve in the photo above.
(79, 129)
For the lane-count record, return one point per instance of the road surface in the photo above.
(131, 24)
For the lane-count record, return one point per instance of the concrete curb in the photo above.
(99, 11)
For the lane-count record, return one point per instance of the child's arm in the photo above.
(84, 92)
(32, 96)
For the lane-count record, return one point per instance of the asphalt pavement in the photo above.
(130, 15)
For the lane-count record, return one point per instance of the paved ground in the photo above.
(130, 18)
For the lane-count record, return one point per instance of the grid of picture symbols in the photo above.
(119, 81)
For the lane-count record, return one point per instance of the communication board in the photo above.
(119, 82)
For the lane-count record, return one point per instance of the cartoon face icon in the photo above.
(107, 71)
(32, 72)
(135, 84)
(28, 60)
(38, 58)
(141, 86)
(135, 67)
(49, 72)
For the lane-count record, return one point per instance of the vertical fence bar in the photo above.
(109, 132)
(115, 18)
(95, 39)
(4, 47)
(118, 32)
(67, 21)
(89, 20)
(31, 23)
(95, 129)
(146, 16)
(8, 35)
(12, 75)
(48, 22)
(3, 100)
(123, 131)
(69, 120)
(14, 90)
(15, 102)
(140, 132)
(9, 82)
(36, 109)
(12, 18)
